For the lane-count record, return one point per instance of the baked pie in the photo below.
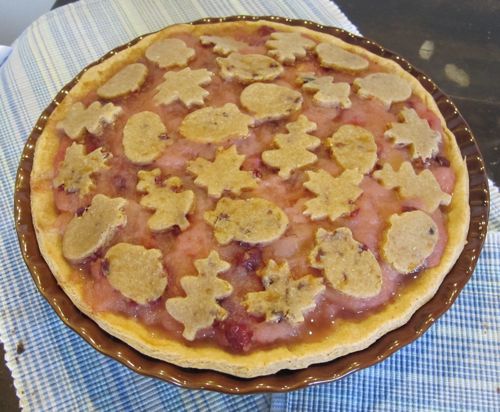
(248, 197)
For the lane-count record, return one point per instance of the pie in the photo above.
(248, 197)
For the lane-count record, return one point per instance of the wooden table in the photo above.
(464, 34)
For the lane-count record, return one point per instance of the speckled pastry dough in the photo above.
(248, 197)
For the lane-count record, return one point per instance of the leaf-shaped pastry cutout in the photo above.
(252, 220)
(354, 148)
(200, 308)
(328, 94)
(284, 297)
(415, 132)
(184, 85)
(335, 57)
(87, 233)
(216, 124)
(93, 119)
(286, 47)
(248, 68)
(127, 80)
(136, 272)
(423, 186)
(223, 173)
(387, 88)
(347, 266)
(223, 45)
(410, 239)
(270, 101)
(335, 195)
(75, 173)
(170, 205)
(293, 147)
(168, 53)
(144, 138)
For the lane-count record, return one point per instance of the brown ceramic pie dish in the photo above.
(284, 380)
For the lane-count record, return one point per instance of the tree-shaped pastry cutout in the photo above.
(200, 308)
(77, 168)
(286, 47)
(328, 94)
(184, 85)
(423, 186)
(252, 220)
(337, 58)
(388, 88)
(136, 272)
(284, 297)
(293, 147)
(216, 124)
(415, 132)
(223, 45)
(223, 173)
(93, 119)
(170, 204)
(354, 147)
(248, 68)
(91, 231)
(335, 195)
(410, 239)
(347, 265)
(167, 53)
(127, 80)
(270, 101)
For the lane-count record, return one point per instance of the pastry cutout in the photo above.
(415, 132)
(200, 308)
(184, 85)
(335, 195)
(223, 45)
(170, 205)
(423, 186)
(136, 272)
(284, 297)
(127, 80)
(167, 53)
(253, 220)
(87, 233)
(328, 94)
(270, 101)
(93, 119)
(410, 239)
(223, 173)
(347, 265)
(286, 47)
(388, 88)
(216, 124)
(77, 168)
(293, 148)
(144, 138)
(354, 147)
(248, 68)
(335, 57)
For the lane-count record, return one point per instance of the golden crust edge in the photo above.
(347, 336)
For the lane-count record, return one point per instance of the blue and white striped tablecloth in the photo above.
(454, 366)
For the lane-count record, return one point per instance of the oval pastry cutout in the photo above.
(248, 68)
(270, 101)
(87, 233)
(410, 240)
(127, 80)
(144, 138)
(253, 220)
(136, 272)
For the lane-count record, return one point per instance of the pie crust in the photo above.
(347, 336)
